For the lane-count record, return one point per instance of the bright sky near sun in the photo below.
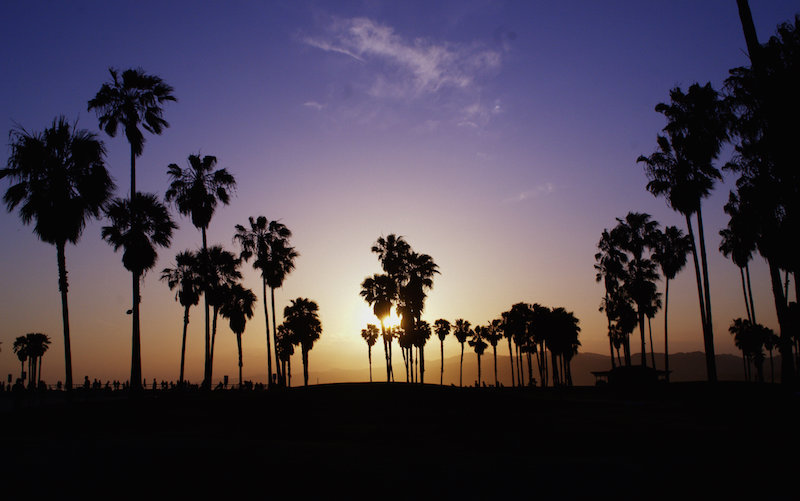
(499, 137)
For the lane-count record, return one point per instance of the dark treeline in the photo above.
(756, 112)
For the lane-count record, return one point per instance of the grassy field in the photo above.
(401, 441)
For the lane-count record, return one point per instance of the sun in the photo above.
(368, 317)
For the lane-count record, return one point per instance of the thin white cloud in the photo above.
(413, 67)
(539, 191)
(314, 104)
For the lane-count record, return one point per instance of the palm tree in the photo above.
(59, 181)
(462, 331)
(36, 344)
(637, 233)
(479, 345)
(219, 272)
(302, 320)
(196, 192)
(442, 328)
(130, 100)
(422, 333)
(749, 338)
(611, 269)
(284, 347)
(670, 254)
(563, 343)
(379, 291)
(682, 171)
(20, 348)
(185, 278)
(237, 307)
(494, 334)
(739, 241)
(268, 242)
(370, 335)
(137, 233)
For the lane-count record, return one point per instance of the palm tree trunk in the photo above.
(213, 339)
(239, 347)
(385, 351)
(530, 369)
(22, 371)
(786, 286)
(771, 368)
(511, 360)
(136, 351)
(62, 287)
(207, 352)
(650, 333)
(305, 366)
(183, 342)
(461, 368)
(369, 354)
(391, 367)
(479, 369)
(494, 349)
(441, 373)
(750, 292)
(641, 332)
(744, 365)
(422, 364)
(699, 278)
(711, 359)
(274, 338)
(666, 338)
(744, 291)
(269, 344)
(289, 370)
(785, 341)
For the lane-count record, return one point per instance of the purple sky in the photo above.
(498, 137)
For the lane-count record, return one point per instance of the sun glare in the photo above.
(368, 317)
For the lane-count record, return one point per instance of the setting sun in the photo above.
(368, 317)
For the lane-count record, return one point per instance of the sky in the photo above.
(499, 137)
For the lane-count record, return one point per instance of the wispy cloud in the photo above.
(539, 191)
(406, 68)
(313, 104)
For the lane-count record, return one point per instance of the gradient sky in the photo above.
(498, 137)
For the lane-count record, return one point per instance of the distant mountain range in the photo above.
(684, 366)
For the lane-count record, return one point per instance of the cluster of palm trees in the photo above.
(752, 338)
(59, 182)
(757, 114)
(533, 329)
(31, 348)
(628, 263)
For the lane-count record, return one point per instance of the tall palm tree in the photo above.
(131, 100)
(267, 241)
(493, 334)
(137, 232)
(462, 331)
(196, 191)
(639, 233)
(422, 334)
(38, 344)
(379, 291)
(59, 181)
(672, 249)
(186, 279)
(237, 307)
(479, 345)
(284, 347)
(682, 170)
(442, 328)
(219, 272)
(611, 269)
(563, 343)
(739, 241)
(370, 335)
(20, 348)
(302, 319)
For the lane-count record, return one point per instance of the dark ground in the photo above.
(400, 441)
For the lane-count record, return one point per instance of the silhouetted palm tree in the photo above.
(20, 348)
(137, 232)
(196, 192)
(738, 243)
(494, 334)
(682, 171)
(36, 344)
(462, 331)
(442, 328)
(59, 181)
(421, 335)
(479, 345)
(237, 307)
(131, 100)
(284, 347)
(637, 234)
(563, 343)
(379, 291)
(750, 339)
(186, 279)
(219, 271)
(302, 320)
(268, 242)
(370, 335)
(611, 269)
(670, 253)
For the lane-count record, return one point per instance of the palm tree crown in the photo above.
(197, 189)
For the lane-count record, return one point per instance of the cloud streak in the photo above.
(407, 68)
(539, 191)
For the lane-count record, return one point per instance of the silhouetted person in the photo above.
(86, 383)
